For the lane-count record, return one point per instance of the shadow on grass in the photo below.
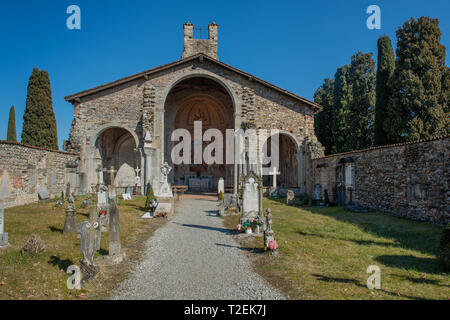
(359, 242)
(103, 252)
(140, 208)
(418, 236)
(358, 284)
(55, 229)
(62, 264)
(428, 265)
(422, 281)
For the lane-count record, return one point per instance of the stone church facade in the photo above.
(128, 123)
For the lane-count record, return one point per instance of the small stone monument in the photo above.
(251, 197)
(115, 254)
(317, 196)
(165, 191)
(290, 198)
(90, 235)
(43, 193)
(4, 193)
(221, 186)
(269, 235)
(70, 224)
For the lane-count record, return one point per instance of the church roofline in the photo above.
(77, 96)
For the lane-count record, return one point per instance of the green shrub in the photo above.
(445, 247)
(150, 197)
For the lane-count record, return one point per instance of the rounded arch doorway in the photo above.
(205, 100)
(116, 147)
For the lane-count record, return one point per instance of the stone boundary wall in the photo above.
(30, 168)
(409, 180)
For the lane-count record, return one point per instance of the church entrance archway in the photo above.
(116, 148)
(198, 99)
(288, 161)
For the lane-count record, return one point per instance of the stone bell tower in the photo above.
(193, 46)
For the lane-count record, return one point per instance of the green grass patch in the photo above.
(325, 252)
(42, 276)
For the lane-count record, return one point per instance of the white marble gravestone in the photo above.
(4, 193)
(221, 186)
(163, 208)
(251, 197)
(165, 191)
(43, 193)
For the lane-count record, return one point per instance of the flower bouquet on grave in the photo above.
(273, 245)
(258, 222)
(247, 227)
(102, 213)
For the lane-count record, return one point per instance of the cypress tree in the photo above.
(360, 116)
(342, 97)
(324, 120)
(39, 123)
(11, 136)
(385, 71)
(418, 108)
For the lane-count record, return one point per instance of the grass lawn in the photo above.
(42, 276)
(325, 252)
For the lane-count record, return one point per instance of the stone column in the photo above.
(149, 152)
(300, 169)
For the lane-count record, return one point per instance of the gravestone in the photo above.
(102, 204)
(115, 254)
(163, 209)
(251, 197)
(43, 193)
(90, 235)
(165, 191)
(290, 198)
(4, 194)
(70, 224)
(221, 186)
(317, 196)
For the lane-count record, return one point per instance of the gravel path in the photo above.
(194, 257)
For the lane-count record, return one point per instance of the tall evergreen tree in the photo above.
(39, 123)
(324, 120)
(385, 71)
(418, 108)
(342, 97)
(360, 115)
(11, 136)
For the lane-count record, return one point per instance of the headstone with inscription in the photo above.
(165, 191)
(115, 253)
(251, 197)
(317, 196)
(102, 206)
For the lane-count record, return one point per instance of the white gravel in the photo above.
(194, 257)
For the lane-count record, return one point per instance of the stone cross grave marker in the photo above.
(269, 235)
(138, 178)
(111, 172)
(274, 174)
(90, 235)
(290, 197)
(221, 186)
(4, 194)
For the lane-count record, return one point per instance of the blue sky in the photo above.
(293, 44)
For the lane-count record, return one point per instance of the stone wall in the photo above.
(29, 169)
(407, 180)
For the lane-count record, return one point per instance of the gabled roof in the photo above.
(201, 56)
